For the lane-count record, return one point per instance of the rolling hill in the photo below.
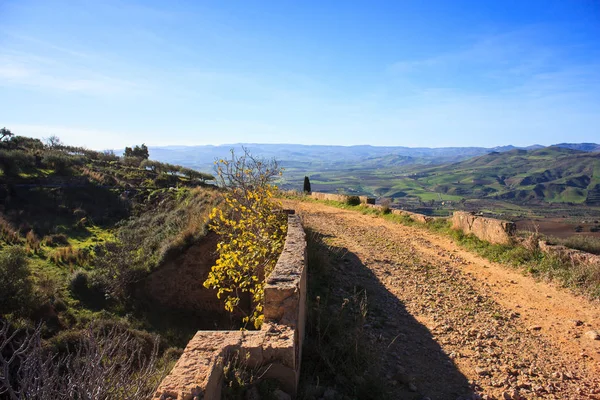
(551, 174)
(566, 172)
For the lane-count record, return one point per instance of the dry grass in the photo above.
(69, 256)
(8, 233)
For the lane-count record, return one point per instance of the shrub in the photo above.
(132, 161)
(92, 363)
(78, 285)
(59, 239)
(33, 243)
(385, 206)
(89, 289)
(7, 233)
(252, 229)
(60, 305)
(16, 288)
(60, 161)
(69, 256)
(353, 200)
(14, 161)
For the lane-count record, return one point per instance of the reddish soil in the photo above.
(456, 326)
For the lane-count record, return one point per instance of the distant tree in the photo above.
(306, 185)
(171, 169)
(152, 165)
(60, 162)
(192, 174)
(53, 141)
(132, 161)
(108, 155)
(23, 143)
(5, 134)
(137, 151)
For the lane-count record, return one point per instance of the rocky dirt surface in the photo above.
(451, 325)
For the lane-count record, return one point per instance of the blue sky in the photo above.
(105, 74)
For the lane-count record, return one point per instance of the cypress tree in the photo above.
(306, 185)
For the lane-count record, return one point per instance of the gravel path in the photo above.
(452, 325)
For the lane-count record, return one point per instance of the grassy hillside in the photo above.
(550, 174)
(545, 175)
(83, 228)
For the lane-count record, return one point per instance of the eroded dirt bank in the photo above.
(454, 324)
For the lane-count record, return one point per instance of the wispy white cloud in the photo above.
(47, 66)
(22, 74)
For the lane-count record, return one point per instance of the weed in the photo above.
(239, 377)
(8, 233)
(336, 349)
(33, 243)
(353, 200)
(59, 239)
(70, 256)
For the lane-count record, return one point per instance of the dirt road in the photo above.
(458, 326)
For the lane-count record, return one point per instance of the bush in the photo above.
(89, 289)
(33, 243)
(14, 161)
(353, 200)
(59, 239)
(385, 206)
(132, 161)
(16, 288)
(78, 284)
(61, 162)
(8, 233)
(92, 363)
(252, 230)
(70, 256)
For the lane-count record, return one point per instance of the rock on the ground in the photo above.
(593, 335)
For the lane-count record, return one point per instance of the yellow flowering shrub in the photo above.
(252, 232)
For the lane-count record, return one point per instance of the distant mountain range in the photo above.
(314, 157)
(566, 172)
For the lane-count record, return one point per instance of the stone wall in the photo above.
(488, 229)
(421, 218)
(342, 198)
(567, 254)
(277, 347)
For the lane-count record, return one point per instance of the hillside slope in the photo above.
(551, 174)
(86, 228)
